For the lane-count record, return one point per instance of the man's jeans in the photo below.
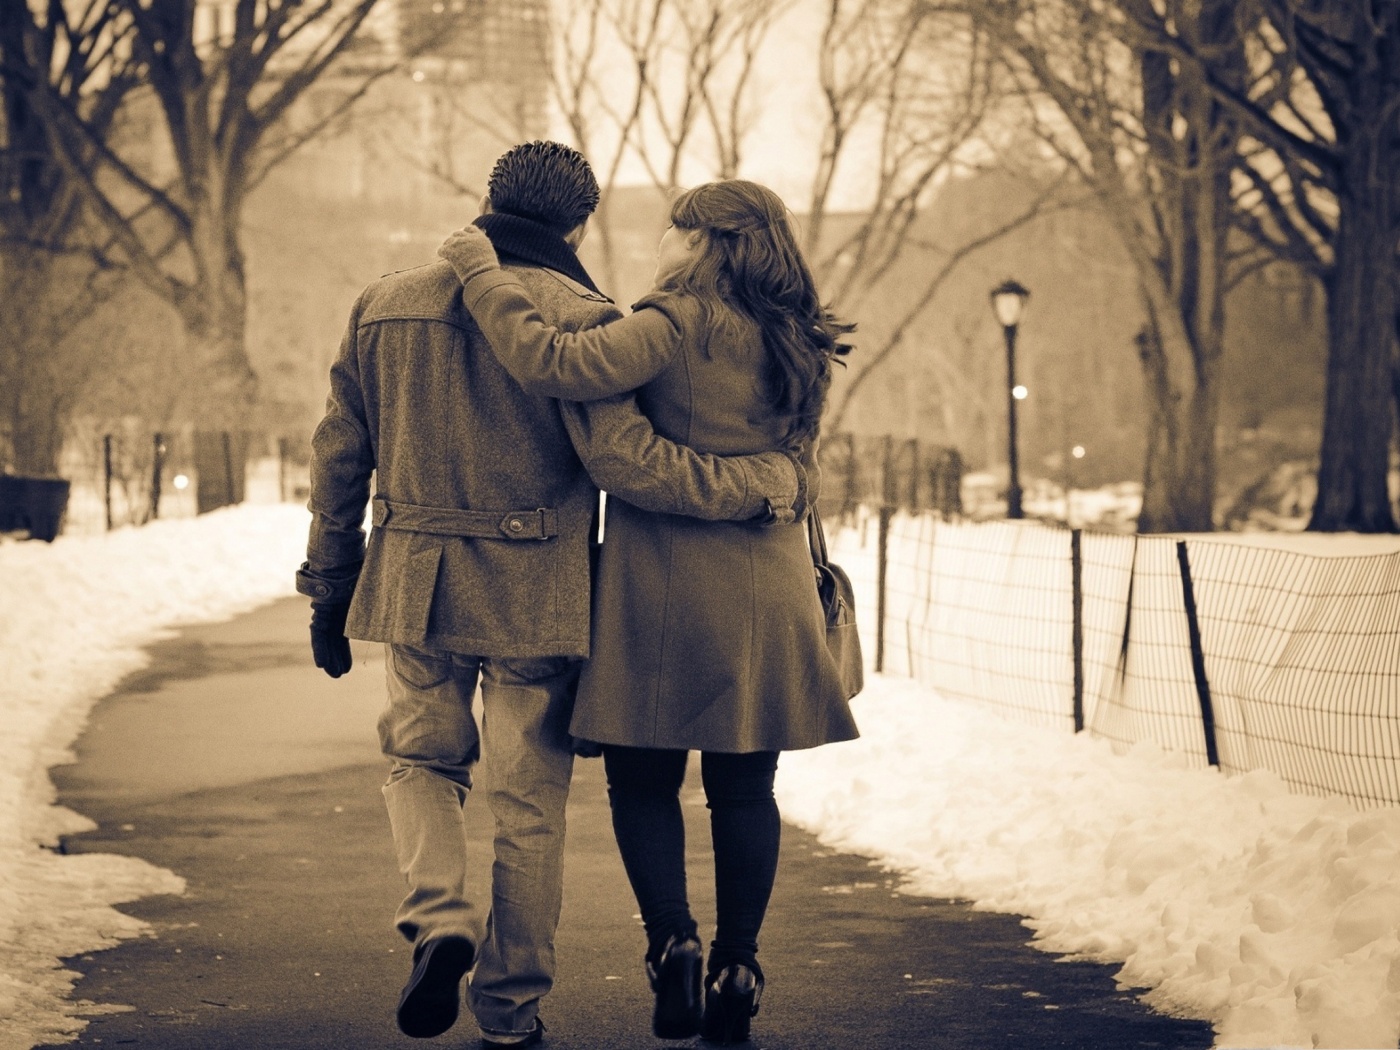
(427, 730)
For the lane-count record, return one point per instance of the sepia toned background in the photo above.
(1204, 222)
(1113, 468)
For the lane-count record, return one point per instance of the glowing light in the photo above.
(180, 482)
(1019, 392)
(419, 76)
(1077, 452)
(1008, 300)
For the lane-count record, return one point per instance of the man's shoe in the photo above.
(532, 1039)
(431, 999)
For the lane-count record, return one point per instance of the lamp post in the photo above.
(1008, 300)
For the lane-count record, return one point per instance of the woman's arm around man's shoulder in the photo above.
(575, 366)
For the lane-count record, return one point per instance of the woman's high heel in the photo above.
(675, 978)
(731, 999)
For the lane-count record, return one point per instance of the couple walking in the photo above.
(489, 395)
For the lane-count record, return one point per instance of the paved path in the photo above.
(234, 762)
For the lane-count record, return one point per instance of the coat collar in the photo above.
(535, 243)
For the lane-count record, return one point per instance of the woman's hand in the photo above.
(470, 252)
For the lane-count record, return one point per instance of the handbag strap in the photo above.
(816, 538)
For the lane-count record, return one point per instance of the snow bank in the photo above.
(1272, 915)
(74, 616)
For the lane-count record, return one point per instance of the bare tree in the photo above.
(905, 74)
(1321, 188)
(920, 78)
(949, 260)
(52, 272)
(216, 85)
(1147, 137)
(686, 76)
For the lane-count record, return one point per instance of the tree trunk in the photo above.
(1178, 484)
(220, 463)
(1395, 349)
(38, 377)
(223, 387)
(1180, 348)
(1191, 143)
(38, 423)
(1352, 491)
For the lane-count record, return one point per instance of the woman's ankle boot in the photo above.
(674, 971)
(731, 1000)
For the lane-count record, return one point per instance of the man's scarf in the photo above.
(517, 239)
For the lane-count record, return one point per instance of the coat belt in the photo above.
(538, 524)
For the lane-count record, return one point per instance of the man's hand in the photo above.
(470, 252)
(800, 502)
(329, 646)
(782, 478)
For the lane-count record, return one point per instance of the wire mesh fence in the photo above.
(1237, 656)
(1303, 662)
(881, 470)
(129, 475)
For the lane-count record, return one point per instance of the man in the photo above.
(478, 569)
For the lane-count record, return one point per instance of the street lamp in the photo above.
(1008, 300)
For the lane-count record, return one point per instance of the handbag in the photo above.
(838, 602)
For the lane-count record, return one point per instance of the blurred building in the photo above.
(440, 88)
(454, 84)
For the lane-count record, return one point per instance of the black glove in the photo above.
(329, 646)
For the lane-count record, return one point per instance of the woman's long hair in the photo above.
(752, 267)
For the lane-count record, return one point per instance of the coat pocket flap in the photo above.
(413, 594)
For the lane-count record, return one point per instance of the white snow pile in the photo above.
(74, 616)
(1274, 916)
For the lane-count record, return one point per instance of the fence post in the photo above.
(1198, 656)
(107, 477)
(157, 468)
(1076, 557)
(227, 443)
(282, 469)
(912, 504)
(883, 549)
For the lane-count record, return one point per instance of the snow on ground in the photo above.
(1275, 916)
(74, 616)
(1272, 915)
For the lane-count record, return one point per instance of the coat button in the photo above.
(322, 590)
(515, 525)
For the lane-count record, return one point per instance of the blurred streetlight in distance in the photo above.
(1008, 301)
(180, 481)
(1077, 452)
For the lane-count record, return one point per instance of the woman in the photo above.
(706, 636)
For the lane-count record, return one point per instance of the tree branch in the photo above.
(316, 63)
(75, 131)
(925, 298)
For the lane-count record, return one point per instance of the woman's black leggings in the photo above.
(644, 789)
